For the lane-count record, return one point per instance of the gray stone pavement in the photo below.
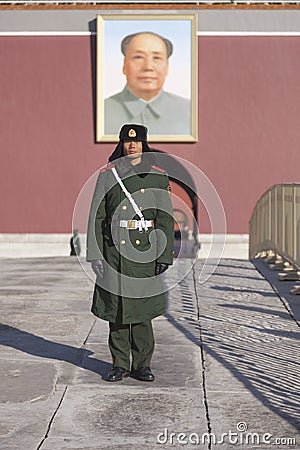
(227, 362)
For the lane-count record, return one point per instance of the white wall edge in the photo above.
(199, 33)
(47, 33)
(248, 33)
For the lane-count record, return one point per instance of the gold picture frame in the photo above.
(171, 115)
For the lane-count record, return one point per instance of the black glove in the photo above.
(161, 268)
(97, 267)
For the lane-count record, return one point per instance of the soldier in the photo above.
(75, 244)
(130, 243)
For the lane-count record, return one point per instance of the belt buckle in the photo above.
(131, 224)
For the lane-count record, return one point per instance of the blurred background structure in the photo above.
(248, 115)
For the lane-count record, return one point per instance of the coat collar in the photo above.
(135, 106)
(125, 168)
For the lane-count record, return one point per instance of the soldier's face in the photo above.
(146, 65)
(134, 150)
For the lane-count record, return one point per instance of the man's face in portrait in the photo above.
(146, 65)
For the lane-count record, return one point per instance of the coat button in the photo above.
(123, 241)
(137, 242)
(124, 207)
(142, 190)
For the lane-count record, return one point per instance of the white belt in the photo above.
(134, 224)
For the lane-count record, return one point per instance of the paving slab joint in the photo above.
(82, 348)
(205, 399)
(52, 419)
(89, 333)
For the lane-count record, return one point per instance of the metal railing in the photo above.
(275, 223)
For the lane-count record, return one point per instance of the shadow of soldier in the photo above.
(38, 346)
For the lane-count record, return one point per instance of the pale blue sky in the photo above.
(178, 31)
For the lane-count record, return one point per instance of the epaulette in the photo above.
(159, 169)
(108, 166)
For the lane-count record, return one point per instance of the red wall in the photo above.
(249, 115)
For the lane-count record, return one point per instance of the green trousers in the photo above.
(136, 339)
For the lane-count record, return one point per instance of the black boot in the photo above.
(117, 374)
(143, 374)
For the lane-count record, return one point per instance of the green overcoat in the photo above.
(129, 286)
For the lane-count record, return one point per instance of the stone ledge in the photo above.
(30, 245)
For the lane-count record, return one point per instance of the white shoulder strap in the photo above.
(129, 196)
